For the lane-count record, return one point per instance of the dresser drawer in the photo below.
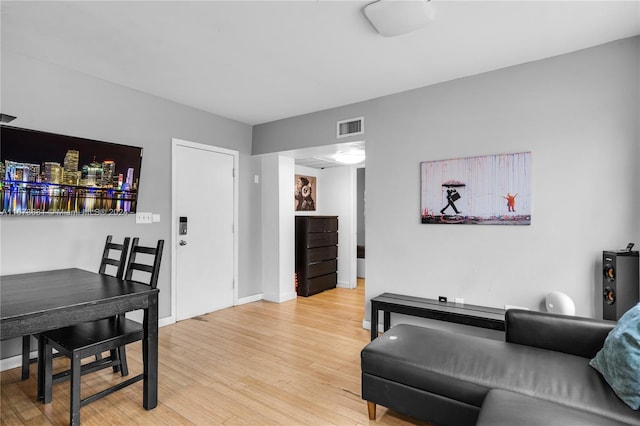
(323, 224)
(322, 268)
(322, 239)
(322, 253)
(321, 283)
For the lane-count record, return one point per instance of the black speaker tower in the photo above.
(620, 282)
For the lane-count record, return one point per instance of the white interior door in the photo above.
(204, 200)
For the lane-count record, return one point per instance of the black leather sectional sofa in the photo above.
(540, 374)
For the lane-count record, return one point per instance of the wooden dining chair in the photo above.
(119, 262)
(114, 255)
(88, 339)
(116, 265)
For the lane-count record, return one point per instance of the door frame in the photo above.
(174, 217)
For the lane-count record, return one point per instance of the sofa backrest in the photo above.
(569, 334)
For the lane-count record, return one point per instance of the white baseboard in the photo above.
(366, 324)
(361, 268)
(284, 297)
(14, 361)
(166, 321)
(250, 299)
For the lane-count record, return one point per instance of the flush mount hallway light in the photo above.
(350, 157)
(396, 17)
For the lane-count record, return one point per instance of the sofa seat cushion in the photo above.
(504, 408)
(465, 368)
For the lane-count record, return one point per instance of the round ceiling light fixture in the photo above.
(393, 18)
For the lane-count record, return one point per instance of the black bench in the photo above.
(477, 316)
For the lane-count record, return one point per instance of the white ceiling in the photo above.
(259, 61)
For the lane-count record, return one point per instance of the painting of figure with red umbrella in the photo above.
(484, 190)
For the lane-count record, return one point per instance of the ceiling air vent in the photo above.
(350, 127)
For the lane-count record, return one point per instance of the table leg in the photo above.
(150, 354)
(47, 375)
(41, 372)
(374, 320)
(387, 320)
(26, 354)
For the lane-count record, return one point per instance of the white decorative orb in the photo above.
(559, 303)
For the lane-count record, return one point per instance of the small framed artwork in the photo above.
(484, 190)
(304, 195)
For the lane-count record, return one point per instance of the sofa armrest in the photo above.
(572, 335)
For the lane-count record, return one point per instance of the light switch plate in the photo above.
(144, 217)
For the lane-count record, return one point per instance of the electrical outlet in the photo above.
(156, 217)
(144, 217)
(459, 300)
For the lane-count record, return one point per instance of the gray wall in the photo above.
(49, 98)
(577, 114)
(360, 206)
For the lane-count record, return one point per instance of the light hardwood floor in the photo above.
(293, 363)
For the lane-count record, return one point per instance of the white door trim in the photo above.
(174, 217)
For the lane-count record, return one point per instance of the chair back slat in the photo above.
(146, 250)
(151, 267)
(115, 246)
(141, 267)
(120, 261)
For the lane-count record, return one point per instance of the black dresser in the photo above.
(316, 253)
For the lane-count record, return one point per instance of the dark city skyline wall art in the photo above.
(50, 174)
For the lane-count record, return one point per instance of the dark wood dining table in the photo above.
(35, 302)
